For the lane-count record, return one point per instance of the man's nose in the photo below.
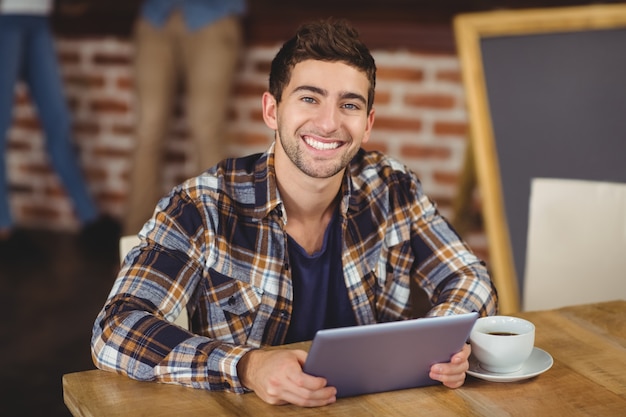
(328, 118)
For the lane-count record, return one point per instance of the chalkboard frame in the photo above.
(482, 159)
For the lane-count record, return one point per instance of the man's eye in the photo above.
(351, 106)
(308, 99)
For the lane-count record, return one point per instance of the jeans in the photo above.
(27, 51)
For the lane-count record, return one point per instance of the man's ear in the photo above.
(368, 126)
(270, 110)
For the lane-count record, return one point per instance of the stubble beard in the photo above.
(294, 150)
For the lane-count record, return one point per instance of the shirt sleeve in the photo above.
(134, 335)
(455, 278)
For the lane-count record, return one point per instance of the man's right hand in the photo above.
(276, 376)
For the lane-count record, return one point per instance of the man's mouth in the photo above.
(322, 146)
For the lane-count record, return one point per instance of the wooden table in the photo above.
(587, 342)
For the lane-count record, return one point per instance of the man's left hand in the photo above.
(452, 374)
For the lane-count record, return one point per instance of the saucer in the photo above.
(538, 362)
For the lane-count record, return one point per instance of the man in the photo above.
(267, 249)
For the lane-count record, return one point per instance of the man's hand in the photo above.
(452, 374)
(276, 376)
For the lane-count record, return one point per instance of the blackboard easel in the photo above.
(546, 97)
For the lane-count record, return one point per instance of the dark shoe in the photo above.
(101, 237)
(19, 247)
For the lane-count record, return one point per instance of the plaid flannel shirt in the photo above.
(217, 245)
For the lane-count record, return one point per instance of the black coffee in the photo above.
(503, 333)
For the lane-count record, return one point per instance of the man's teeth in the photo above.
(322, 146)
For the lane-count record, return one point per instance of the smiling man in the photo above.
(267, 249)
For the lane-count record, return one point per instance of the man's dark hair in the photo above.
(326, 40)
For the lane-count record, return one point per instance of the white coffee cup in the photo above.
(501, 344)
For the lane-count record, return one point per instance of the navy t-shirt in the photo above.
(320, 297)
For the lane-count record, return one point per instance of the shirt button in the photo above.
(283, 314)
(226, 385)
(232, 301)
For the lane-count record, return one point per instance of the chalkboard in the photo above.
(546, 97)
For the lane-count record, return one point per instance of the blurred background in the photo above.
(50, 294)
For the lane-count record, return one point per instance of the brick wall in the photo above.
(420, 119)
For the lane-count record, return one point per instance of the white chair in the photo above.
(576, 248)
(129, 242)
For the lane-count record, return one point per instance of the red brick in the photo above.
(27, 123)
(263, 67)
(84, 80)
(110, 152)
(175, 157)
(123, 130)
(450, 128)
(55, 191)
(109, 106)
(109, 58)
(21, 146)
(44, 214)
(125, 83)
(446, 177)
(481, 252)
(22, 98)
(94, 174)
(382, 97)
(250, 139)
(86, 128)
(399, 74)
(37, 168)
(396, 123)
(112, 198)
(423, 152)
(434, 101)
(449, 75)
(249, 90)
(257, 115)
(68, 57)
(20, 188)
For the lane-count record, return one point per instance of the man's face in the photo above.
(322, 119)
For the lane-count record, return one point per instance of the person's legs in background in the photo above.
(99, 234)
(44, 82)
(155, 80)
(11, 40)
(15, 245)
(210, 55)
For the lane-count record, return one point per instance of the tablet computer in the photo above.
(387, 356)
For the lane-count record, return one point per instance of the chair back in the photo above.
(576, 247)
